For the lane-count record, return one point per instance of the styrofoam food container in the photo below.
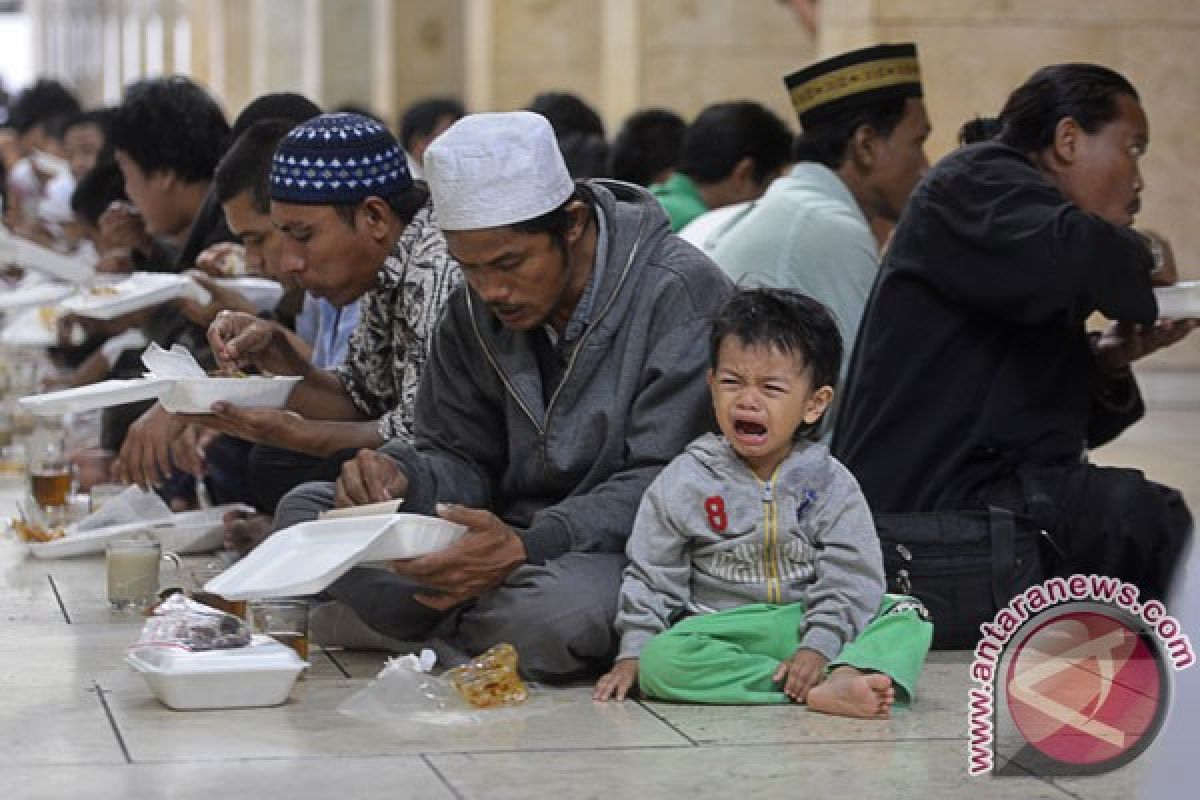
(36, 295)
(49, 262)
(95, 395)
(28, 328)
(411, 536)
(1181, 301)
(139, 291)
(307, 557)
(262, 293)
(196, 395)
(261, 674)
(182, 533)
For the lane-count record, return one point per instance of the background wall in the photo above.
(974, 52)
(622, 55)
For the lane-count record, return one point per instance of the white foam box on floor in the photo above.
(261, 674)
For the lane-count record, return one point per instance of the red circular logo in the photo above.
(1085, 688)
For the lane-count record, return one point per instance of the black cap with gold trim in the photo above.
(853, 80)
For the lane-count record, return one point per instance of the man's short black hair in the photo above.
(97, 190)
(171, 125)
(288, 106)
(422, 117)
(101, 118)
(567, 113)
(826, 143)
(361, 110)
(246, 167)
(47, 103)
(647, 145)
(725, 133)
(791, 322)
(579, 130)
(556, 223)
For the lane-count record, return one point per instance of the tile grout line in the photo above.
(61, 605)
(1046, 780)
(453, 790)
(336, 663)
(668, 723)
(112, 722)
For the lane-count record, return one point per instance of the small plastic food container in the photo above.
(196, 395)
(245, 677)
(1181, 301)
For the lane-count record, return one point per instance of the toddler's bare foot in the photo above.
(850, 693)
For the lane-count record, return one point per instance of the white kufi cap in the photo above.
(489, 170)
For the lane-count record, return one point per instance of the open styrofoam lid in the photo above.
(263, 654)
(305, 558)
(141, 290)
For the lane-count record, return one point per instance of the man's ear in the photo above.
(579, 217)
(862, 147)
(818, 403)
(743, 172)
(375, 214)
(1066, 140)
(165, 179)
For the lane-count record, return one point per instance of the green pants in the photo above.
(730, 657)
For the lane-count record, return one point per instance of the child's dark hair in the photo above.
(793, 323)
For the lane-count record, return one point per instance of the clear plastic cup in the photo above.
(284, 620)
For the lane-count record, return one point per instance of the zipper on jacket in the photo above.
(487, 351)
(612, 298)
(771, 568)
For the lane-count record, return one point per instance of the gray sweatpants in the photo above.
(558, 615)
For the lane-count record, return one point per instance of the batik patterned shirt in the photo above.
(390, 346)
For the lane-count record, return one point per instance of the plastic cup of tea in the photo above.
(51, 476)
(284, 620)
(132, 567)
(201, 576)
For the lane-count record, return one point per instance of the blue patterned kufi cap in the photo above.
(338, 159)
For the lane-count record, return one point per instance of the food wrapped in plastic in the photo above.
(186, 624)
(491, 680)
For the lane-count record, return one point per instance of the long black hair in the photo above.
(1087, 93)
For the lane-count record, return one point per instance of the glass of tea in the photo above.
(202, 575)
(285, 621)
(51, 476)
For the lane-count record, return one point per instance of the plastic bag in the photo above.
(406, 692)
(132, 505)
(186, 624)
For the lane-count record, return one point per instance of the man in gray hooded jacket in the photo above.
(562, 379)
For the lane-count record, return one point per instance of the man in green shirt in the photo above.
(731, 153)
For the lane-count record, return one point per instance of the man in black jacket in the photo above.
(975, 381)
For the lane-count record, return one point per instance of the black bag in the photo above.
(963, 565)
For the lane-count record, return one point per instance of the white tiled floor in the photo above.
(76, 722)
